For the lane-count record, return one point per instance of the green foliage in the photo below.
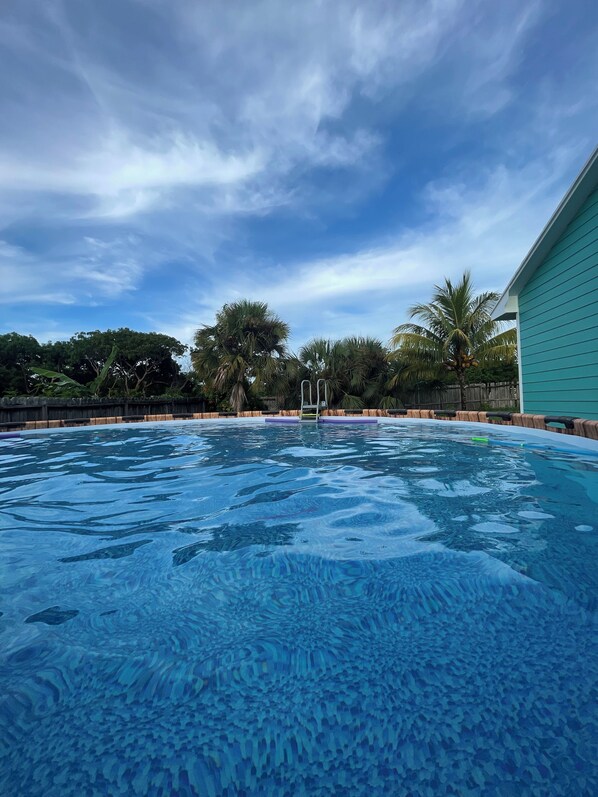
(240, 356)
(17, 354)
(146, 364)
(285, 383)
(357, 370)
(491, 373)
(456, 334)
(484, 407)
(61, 384)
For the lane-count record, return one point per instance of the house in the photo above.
(553, 297)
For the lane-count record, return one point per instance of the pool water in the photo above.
(254, 610)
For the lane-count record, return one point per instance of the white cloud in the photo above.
(130, 175)
(234, 100)
(92, 271)
(140, 134)
(487, 228)
(497, 51)
(20, 282)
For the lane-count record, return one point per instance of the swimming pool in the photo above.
(249, 610)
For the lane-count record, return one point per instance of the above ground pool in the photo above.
(250, 609)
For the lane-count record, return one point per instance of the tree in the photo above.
(367, 368)
(145, 365)
(56, 355)
(323, 360)
(61, 384)
(17, 353)
(241, 353)
(286, 381)
(456, 334)
(495, 372)
(355, 368)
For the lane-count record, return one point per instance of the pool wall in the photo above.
(578, 427)
(481, 433)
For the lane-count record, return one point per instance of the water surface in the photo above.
(255, 610)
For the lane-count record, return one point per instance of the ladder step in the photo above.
(310, 411)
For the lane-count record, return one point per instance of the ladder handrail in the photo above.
(320, 404)
(324, 404)
(303, 402)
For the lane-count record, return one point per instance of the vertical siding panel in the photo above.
(561, 299)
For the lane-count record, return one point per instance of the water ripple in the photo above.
(375, 611)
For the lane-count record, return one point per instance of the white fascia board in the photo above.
(506, 308)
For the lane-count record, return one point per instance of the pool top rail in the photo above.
(579, 427)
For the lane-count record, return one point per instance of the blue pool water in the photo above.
(249, 610)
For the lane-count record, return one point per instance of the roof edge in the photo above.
(581, 188)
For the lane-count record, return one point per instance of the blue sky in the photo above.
(336, 159)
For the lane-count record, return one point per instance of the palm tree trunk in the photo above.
(238, 396)
(461, 379)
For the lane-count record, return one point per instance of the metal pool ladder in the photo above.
(309, 410)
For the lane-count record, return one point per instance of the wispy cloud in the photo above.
(118, 165)
(486, 227)
(21, 279)
(95, 270)
(187, 153)
(236, 94)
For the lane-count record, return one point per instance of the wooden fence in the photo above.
(497, 395)
(35, 408)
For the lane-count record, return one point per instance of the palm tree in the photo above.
(321, 360)
(286, 381)
(456, 333)
(356, 369)
(366, 368)
(241, 351)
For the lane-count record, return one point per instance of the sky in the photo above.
(335, 159)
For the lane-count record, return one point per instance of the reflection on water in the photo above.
(259, 610)
(230, 538)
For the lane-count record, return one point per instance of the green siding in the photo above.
(558, 323)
